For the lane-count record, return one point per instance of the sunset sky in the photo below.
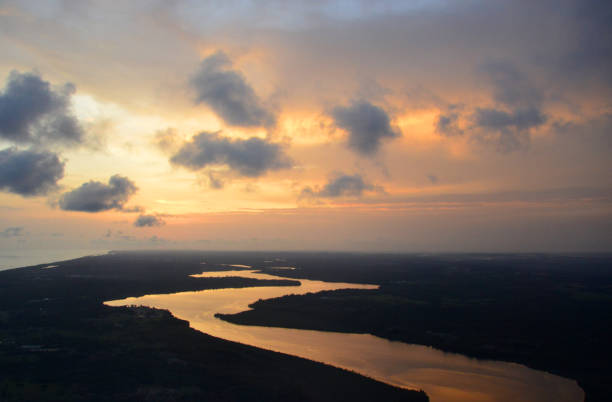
(404, 126)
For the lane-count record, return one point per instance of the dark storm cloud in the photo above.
(95, 196)
(366, 124)
(14, 231)
(252, 157)
(148, 221)
(341, 185)
(29, 173)
(31, 111)
(228, 94)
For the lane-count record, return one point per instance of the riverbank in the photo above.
(58, 342)
(548, 312)
(445, 377)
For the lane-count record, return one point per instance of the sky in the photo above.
(374, 126)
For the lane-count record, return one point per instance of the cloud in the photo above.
(215, 182)
(511, 87)
(447, 124)
(135, 208)
(228, 94)
(95, 196)
(166, 140)
(14, 231)
(366, 124)
(32, 112)
(341, 185)
(345, 185)
(518, 108)
(148, 221)
(252, 157)
(519, 119)
(28, 172)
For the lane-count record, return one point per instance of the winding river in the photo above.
(445, 377)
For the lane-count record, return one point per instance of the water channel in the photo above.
(445, 377)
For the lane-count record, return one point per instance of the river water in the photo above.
(445, 377)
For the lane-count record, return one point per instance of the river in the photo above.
(445, 377)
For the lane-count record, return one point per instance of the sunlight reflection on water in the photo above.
(445, 377)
